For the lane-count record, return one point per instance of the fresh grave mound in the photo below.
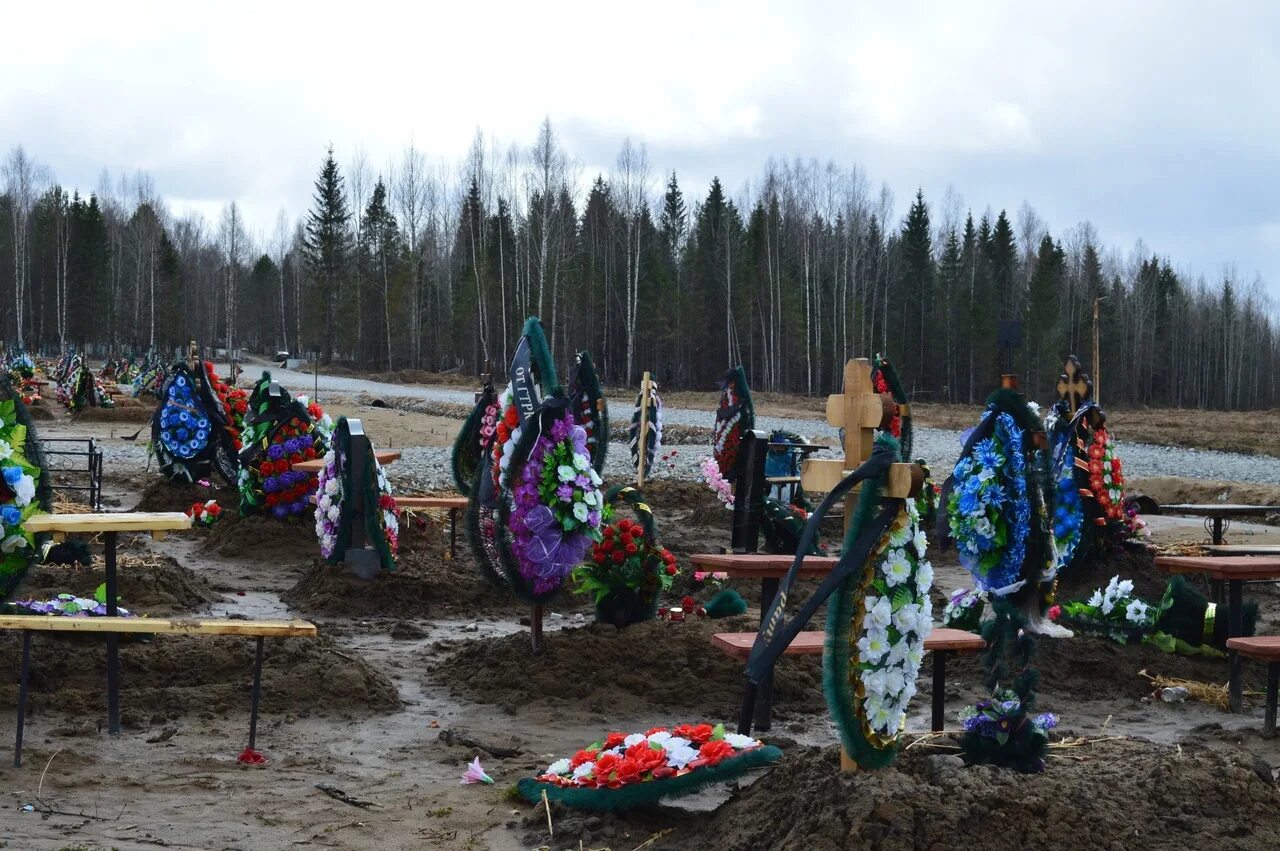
(423, 584)
(41, 412)
(1087, 575)
(263, 538)
(1116, 794)
(148, 584)
(141, 414)
(178, 675)
(167, 495)
(1094, 668)
(671, 667)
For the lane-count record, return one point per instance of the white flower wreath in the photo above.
(899, 616)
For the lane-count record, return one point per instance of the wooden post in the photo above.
(1097, 366)
(859, 410)
(643, 435)
(194, 352)
(535, 629)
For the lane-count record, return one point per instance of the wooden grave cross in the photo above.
(1074, 386)
(642, 436)
(859, 410)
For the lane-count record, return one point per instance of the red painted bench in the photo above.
(1264, 648)
(942, 642)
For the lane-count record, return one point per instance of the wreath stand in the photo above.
(859, 410)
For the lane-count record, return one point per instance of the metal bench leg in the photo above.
(256, 695)
(453, 533)
(939, 689)
(1235, 623)
(22, 698)
(113, 639)
(1273, 691)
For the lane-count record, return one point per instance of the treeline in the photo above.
(422, 265)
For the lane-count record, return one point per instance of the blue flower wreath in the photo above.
(989, 513)
(184, 428)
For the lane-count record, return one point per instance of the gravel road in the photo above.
(428, 467)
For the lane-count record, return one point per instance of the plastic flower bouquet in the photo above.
(627, 573)
(1113, 612)
(205, 513)
(999, 731)
(964, 609)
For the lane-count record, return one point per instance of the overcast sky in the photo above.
(1153, 120)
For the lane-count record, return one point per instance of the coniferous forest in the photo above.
(434, 265)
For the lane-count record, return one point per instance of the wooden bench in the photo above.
(112, 626)
(1243, 549)
(455, 505)
(316, 465)
(942, 642)
(1265, 648)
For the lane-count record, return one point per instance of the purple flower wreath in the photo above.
(556, 507)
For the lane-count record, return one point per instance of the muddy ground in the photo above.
(419, 671)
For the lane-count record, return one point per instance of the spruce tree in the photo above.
(914, 296)
(328, 248)
(1044, 338)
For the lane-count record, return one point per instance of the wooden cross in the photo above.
(859, 410)
(1074, 386)
(642, 436)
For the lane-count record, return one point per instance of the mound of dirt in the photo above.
(423, 584)
(42, 413)
(177, 675)
(1088, 574)
(114, 415)
(1127, 794)
(665, 666)
(165, 495)
(157, 585)
(263, 538)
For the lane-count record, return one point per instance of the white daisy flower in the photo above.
(560, 766)
(583, 770)
(924, 576)
(580, 511)
(739, 741)
(873, 646)
(879, 613)
(633, 740)
(1136, 612)
(897, 568)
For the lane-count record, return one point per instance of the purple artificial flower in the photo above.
(280, 512)
(565, 492)
(583, 481)
(275, 452)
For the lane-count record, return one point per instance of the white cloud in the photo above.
(1157, 118)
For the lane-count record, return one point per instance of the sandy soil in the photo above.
(407, 664)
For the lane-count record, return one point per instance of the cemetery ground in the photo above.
(421, 670)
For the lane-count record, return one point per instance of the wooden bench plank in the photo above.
(59, 623)
(123, 521)
(1264, 647)
(761, 565)
(385, 456)
(1222, 567)
(810, 643)
(431, 502)
(1243, 549)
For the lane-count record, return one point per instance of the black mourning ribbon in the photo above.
(524, 395)
(776, 632)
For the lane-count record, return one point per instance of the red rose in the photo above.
(609, 531)
(628, 771)
(663, 771)
(672, 570)
(310, 453)
(599, 557)
(698, 734)
(619, 556)
(511, 418)
(606, 765)
(215, 509)
(613, 740)
(715, 751)
(626, 539)
(632, 549)
(687, 602)
(582, 756)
